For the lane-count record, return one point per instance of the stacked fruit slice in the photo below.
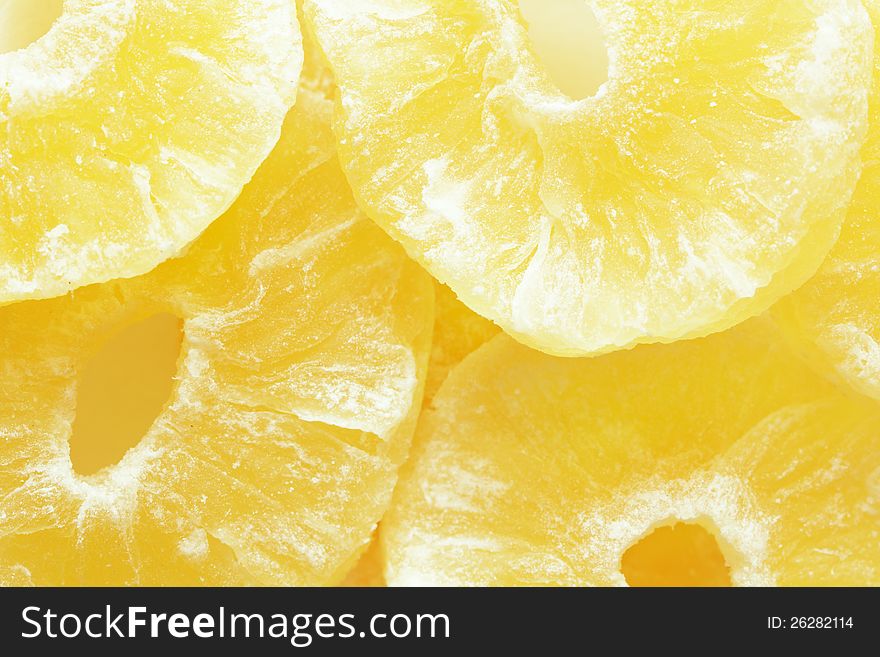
(457, 333)
(535, 470)
(835, 318)
(230, 400)
(129, 127)
(305, 339)
(707, 177)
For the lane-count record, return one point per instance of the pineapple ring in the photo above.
(537, 470)
(703, 181)
(306, 339)
(834, 318)
(129, 127)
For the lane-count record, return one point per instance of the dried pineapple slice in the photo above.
(536, 470)
(703, 181)
(306, 338)
(457, 333)
(129, 127)
(835, 317)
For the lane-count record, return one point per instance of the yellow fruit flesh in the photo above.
(835, 318)
(121, 391)
(676, 555)
(457, 333)
(368, 571)
(706, 179)
(791, 500)
(24, 21)
(129, 127)
(305, 340)
(534, 470)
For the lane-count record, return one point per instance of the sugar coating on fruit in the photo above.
(704, 180)
(306, 335)
(458, 331)
(722, 502)
(194, 545)
(129, 127)
(834, 316)
(535, 470)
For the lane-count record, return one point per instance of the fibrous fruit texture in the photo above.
(129, 127)
(457, 333)
(305, 338)
(241, 266)
(835, 317)
(705, 179)
(536, 470)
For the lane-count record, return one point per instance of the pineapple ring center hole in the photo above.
(682, 554)
(121, 391)
(568, 40)
(24, 21)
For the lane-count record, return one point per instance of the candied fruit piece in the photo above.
(129, 127)
(538, 470)
(305, 339)
(835, 318)
(705, 179)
